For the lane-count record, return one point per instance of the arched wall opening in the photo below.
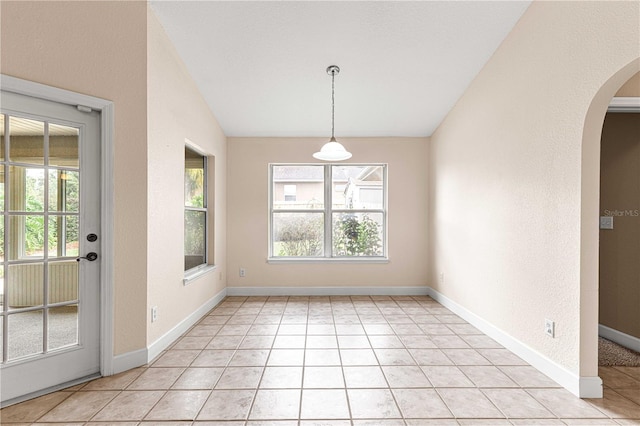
(589, 226)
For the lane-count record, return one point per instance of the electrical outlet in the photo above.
(220, 276)
(441, 277)
(549, 328)
(154, 314)
(243, 272)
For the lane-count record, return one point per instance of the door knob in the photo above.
(90, 257)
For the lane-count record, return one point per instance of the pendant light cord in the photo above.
(333, 104)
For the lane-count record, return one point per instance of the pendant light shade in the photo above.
(332, 150)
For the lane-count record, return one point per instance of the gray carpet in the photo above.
(611, 354)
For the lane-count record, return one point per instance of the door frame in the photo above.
(106, 109)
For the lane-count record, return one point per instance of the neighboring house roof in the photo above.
(315, 174)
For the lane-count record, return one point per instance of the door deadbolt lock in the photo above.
(90, 257)
(92, 238)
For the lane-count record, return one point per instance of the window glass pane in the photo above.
(1, 338)
(1, 239)
(63, 281)
(2, 294)
(63, 326)
(27, 189)
(26, 141)
(64, 191)
(194, 238)
(358, 187)
(63, 236)
(26, 237)
(25, 284)
(194, 195)
(1, 137)
(25, 334)
(298, 187)
(298, 234)
(63, 146)
(357, 234)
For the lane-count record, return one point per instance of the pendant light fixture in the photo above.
(332, 150)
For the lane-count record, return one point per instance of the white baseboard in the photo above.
(140, 357)
(619, 337)
(172, 335)
(583, 387)
(129, 360)
(328, 291)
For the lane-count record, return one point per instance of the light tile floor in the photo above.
(378, 361)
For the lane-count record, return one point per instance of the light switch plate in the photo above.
(606, 222)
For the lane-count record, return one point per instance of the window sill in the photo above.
(351, 260)
(193, 274)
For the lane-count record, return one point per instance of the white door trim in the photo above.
(627, 104)
(106, 108)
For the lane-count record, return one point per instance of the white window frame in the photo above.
(203, 268)
(328, 211)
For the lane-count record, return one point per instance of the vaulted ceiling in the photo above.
(261, 65)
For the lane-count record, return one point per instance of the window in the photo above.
(290, 193)
(195, 209)
(328, 211)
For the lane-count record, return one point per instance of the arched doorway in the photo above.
(590, 384)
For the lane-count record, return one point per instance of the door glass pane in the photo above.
(25, 334)
(26, 237)
(63, 326)
(26, 141)
(2, 187)
(63, 236)
(358, 234)
(358, 187)
(27, 189)
(194, 195)
(298, 234)
(63, 146)
(194, 238)
(64, 191)
(298, 187)
(25, 284)
(63, 281)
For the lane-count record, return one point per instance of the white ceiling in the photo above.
(261, 65)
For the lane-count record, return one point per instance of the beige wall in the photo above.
(248, 213)
(631, 88)
(508, 173)
(620, 246)
(177, 111)
(98, 49)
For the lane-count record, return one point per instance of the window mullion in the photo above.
(328, 205)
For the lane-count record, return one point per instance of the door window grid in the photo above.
(34, 273)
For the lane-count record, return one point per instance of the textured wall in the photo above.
(631, 87)
(513, 190)
(248, 213)
(98, 49)
(177, 111)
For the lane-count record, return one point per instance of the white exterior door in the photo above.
(49, 243)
